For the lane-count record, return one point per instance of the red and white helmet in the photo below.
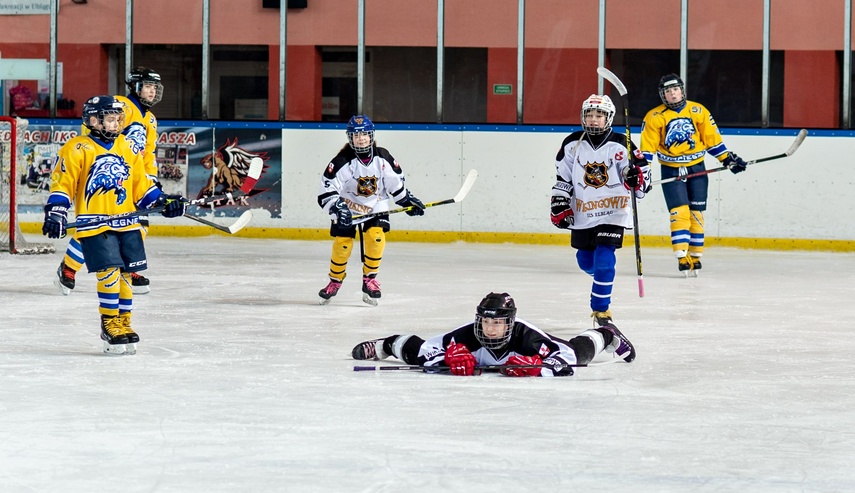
(603, 104)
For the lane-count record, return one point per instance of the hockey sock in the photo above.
(680, 224)
(696, 229)
(108, 291)
(341, 250)
(585, 260)
(375, 243)
(73, 258)
(405, 348)
(126, 294)
(604, 276)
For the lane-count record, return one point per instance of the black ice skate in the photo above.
(369, 350)
(689, 265)
(113, 335)
(139, 284)
(132, 336)
(64, 279)
(620, 345)
(328, 292)
(370, 290)
(602, 318)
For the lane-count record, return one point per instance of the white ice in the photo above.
(745, 377)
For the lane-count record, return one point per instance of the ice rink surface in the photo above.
(744, 382)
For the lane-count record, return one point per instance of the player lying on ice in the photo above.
(497, 337)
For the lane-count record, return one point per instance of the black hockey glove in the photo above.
(56, 217)
(734, 163)
(409, 200)
(343, 216)
(562, 214)
(557, 367)
(173, 205)
(633, 179)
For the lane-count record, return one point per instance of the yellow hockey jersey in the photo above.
(140, 126)
(681, 138)
(101, 179)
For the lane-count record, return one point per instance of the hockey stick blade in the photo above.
(236, 226)
(792, 150)
(611, 77)
(461, 194)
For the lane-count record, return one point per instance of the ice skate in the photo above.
(139, 284)
(369, 350)
(113, 335)
(602, 318)
(64, 279)
(329, 291)
(370, 290)
(132, 336)
(620, 345)
(689, 265)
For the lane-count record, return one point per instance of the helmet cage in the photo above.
(140, 77)
(98, 107)
(495, 306)
(360, 124)
(602, 104)
(668, 82)
(494, 342)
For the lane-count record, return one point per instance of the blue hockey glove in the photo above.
(173, 205)
(343, 216)
(409, 200)
(56, 217)
(734, 163)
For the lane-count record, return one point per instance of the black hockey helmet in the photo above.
(98, 107)
(667, 82)
(495, 306)
(138, 78)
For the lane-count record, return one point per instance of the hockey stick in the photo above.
(793, 148)
(461, 194)
(611, 77)
(439, 369)
(236, 226)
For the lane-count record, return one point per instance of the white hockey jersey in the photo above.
(592, 177)
(363, 186)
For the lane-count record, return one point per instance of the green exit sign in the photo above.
(503, 89)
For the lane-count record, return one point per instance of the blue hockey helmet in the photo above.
(99, 107)
(501, 311)
(360, 124)
(671, 81)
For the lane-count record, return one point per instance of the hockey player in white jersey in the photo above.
(596, 170)
(360, 178)
(498, 337)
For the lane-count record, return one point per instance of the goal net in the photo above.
(14, 171)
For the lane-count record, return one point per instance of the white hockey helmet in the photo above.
(602, 104)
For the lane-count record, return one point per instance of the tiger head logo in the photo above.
(596, 174)
(107, 174)
(366, 186)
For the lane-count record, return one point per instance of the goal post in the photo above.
(13, 167)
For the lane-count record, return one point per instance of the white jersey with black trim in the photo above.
(592, 177)
(364, 185)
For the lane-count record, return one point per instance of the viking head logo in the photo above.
(107, 174)
(596, 174)
(679, 131)
(366, 186)
(135, 133)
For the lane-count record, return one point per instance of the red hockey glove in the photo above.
(561, 213)
(523, 372)
(460, 360)
(633, 179)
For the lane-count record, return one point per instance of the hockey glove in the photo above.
(409, 200)
(341, 211)
(562, 214)
(56, 217)
(633, 178)
(734, 163)
(460, 360)
(523, 372)
(557, 368)
(173, 205)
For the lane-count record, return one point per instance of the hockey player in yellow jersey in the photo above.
(680, 133)
(145, 90)
(101, 175)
